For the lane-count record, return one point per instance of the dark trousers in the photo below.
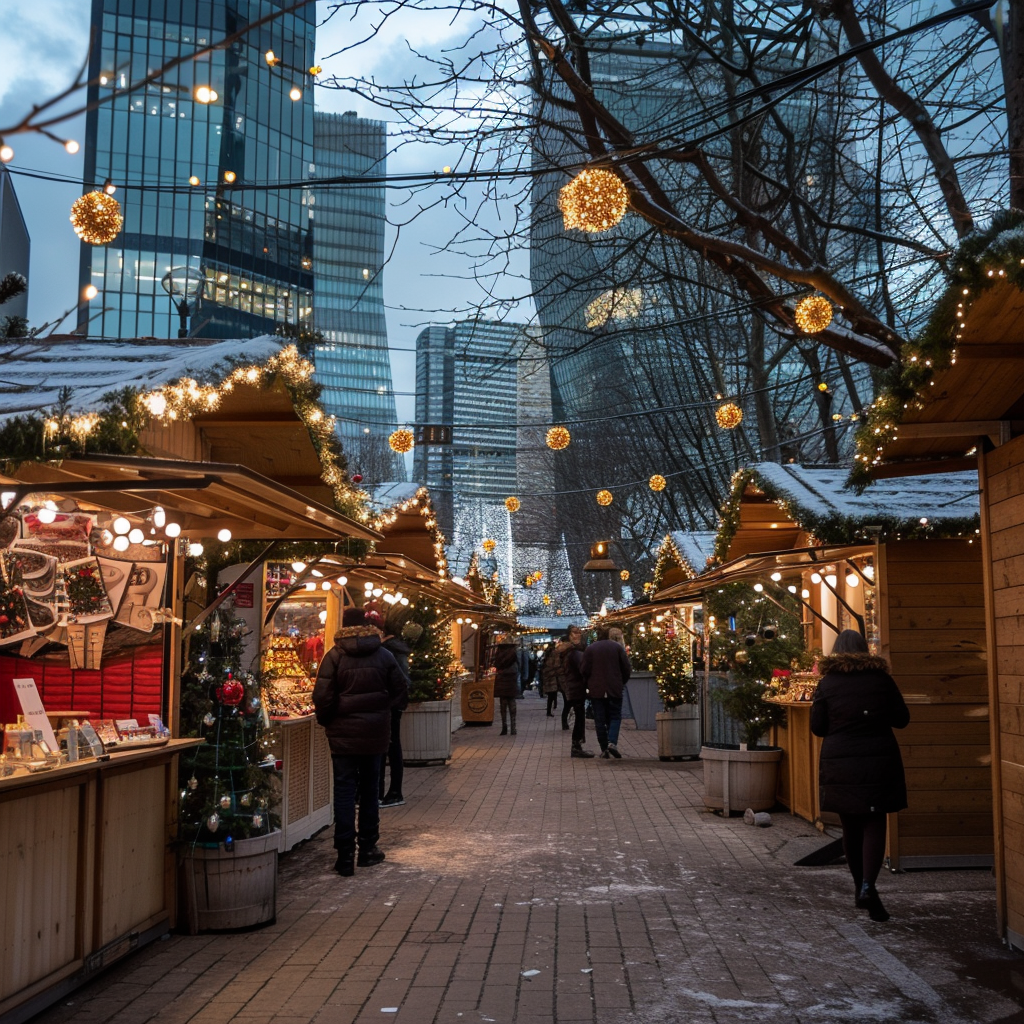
(579, 719)
(864, 845)
(356, 777)
(607, 719)
(394, 757)
(552, 701)
(508, 711)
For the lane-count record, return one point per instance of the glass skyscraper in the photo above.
(252, 248)
(466, 379)
(352, 363)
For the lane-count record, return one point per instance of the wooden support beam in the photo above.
(968, 428)
(924, 467)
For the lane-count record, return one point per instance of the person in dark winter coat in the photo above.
(856, 707)
(606, 670)
(506, 683)
(393, 797)
(356, 687)
(569, 666)
(549, 681)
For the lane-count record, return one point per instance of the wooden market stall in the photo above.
(900, 562)
(968, 413)
(92, 550)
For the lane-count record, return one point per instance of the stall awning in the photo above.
(205, 496)
(755, 567)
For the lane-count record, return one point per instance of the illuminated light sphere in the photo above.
(193, 179)
(604, 497)
(6, 154)
(657, 482)
(558, 438)
(204, 94)
(120, 543)
(136, 536)
(224, 535)
(295, 93)
(813, 314)
(624, 575)
(595, 200)
(91, 291)
(229, 176)
(271, 58)
(489, 545)
(173, 530)
(195, 550)
(316, 70)
(96, 218)
(71, 146)
(401, 441)
(512, 504)
(729, 416)
(46, 515)
(122, 525)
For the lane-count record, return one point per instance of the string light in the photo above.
(729, 416)
(813, 314)
(604, 498)
(489, 546)
(624, 575)
(512, 504)
(96, 218)
(657, 482)
(558, 438)
(594, 201)
(401, 441)
(6, 154)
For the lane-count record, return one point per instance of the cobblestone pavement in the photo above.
(524, 886)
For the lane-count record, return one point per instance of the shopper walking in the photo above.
(856, 707)
(549, 680)
(569, 664)
(357, 685)
(606, 670)
(506, 683)
(400, 648)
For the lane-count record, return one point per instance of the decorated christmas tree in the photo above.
(431, 661)
(226, 788)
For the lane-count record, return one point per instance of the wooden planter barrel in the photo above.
(229, 889)
(427, 732)
(678, 732)
(644, 700)
(735, 780)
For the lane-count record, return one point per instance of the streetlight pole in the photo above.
(185, 286)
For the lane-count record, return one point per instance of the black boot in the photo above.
(869, 898)
(345, 865)
(367, 858)
(513, 727)
(504, 730)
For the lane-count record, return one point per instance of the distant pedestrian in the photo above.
(606, 670)
(506, 683)
(549, 680)
(356, 687)
(569, 652)
(523, 665)
(856, 707)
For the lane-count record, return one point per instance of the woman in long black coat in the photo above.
(506, 683)
(856, 707)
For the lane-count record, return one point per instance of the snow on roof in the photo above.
(393, 492)
(696, 546)
(821, 493)
(34, 371)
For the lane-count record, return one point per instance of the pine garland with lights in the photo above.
(984, 259)
(226, 789)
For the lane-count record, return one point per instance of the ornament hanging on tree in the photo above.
(230, 692)
(245, 799)
(595, 200)
(208, 719)
(401, 441)
(193, 783)
(225, 801)
(257, 821)
(213, 822)
(813, 314)
(254, 705)
(357, 478)
(729, 416)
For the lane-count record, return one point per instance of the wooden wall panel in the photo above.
(1001, 474)
(937, 644)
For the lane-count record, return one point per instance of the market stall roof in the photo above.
(681, 555)
(772, 507)
(207, 496)
(979, 396)
(403, 513)
(753, 567)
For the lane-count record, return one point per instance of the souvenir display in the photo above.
(287, 689)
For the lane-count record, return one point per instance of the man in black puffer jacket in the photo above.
(358, 684)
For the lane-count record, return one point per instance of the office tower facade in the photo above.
(352, 362)
(14, 244)
(466, 379)
(230, 118)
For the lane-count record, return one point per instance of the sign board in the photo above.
(244, 595)
(33, 712)
(433, 433)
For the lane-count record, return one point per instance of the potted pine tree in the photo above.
(426, 722)
(228, 834)
(667, 663)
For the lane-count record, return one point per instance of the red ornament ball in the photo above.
(231, 692)
(357, 478)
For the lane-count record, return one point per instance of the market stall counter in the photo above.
(86, 870)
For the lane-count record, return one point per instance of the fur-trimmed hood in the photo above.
(852, 662)
(359, 639)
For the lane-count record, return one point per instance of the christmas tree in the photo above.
(226, 790)
(431, 661)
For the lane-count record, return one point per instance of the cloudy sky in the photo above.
(41, 47)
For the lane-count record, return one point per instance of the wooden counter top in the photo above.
(116, 759)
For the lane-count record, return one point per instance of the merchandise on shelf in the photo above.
(287, 689)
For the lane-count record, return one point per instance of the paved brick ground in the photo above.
(525, 886)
